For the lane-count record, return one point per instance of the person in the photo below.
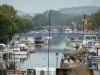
(77, 46)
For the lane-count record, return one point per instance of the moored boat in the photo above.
(19, 48)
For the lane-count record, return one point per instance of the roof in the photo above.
(45, 68)
(2, 44)
(22, 44)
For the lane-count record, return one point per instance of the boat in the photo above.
(17, 58)
(42, 71)
(46, 40)
(18, 72)
(90, 41)
(3, 47)
(4, 50)
(32, 50)
(73, 41)
(39, 41)
(68, 30)
(19, 48)
(55, 30)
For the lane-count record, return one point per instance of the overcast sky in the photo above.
(38, 6)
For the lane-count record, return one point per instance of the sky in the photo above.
(39, 6)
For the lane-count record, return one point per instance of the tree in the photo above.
(10, 23)
(24, 25)
(7, 26)
(95, 20)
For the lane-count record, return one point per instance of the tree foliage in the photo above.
(58, 19)
(7, 26)
(24, 25)
(95, 20)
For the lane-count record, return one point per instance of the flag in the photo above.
(11, 12)
(85, 23)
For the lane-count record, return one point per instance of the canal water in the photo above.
(40, 58)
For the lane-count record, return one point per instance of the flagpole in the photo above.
(49, 38)
(83, 28)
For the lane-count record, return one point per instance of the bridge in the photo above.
(55, 34)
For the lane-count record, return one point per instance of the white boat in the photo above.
(3, 48)
(52, 71)
(19, 48)
(47, 38)
(17, 58)
(73, 41)
(39, 41)
(90, 41)
(68, 30)
(44, 31)
(20, 53)
(55, 30)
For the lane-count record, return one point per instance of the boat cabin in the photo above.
(17, 46)
(39, 41)
(90, 37)
(42, 71)
(3, 47)
(20, 47)
(90, 40)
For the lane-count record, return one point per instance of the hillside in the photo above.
(63, 17)
(80, 10)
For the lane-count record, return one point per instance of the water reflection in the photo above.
(40, 58)
(57, 44)
(16, 60)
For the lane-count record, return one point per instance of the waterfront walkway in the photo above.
(56, 34)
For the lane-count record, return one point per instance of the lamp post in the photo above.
(49, 19)
(2, 59)
(97, 63)
(12, 16)
(83, 31)
(57, 55)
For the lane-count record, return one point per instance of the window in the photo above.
(88, 38)
(93, 38)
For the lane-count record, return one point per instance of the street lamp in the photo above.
(57, 55)
(49, 18)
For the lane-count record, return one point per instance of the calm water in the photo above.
(40, 58)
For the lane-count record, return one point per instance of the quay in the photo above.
(78, 34)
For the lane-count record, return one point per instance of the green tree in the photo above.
(95, 20)
(24, 25)
(7, 26)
